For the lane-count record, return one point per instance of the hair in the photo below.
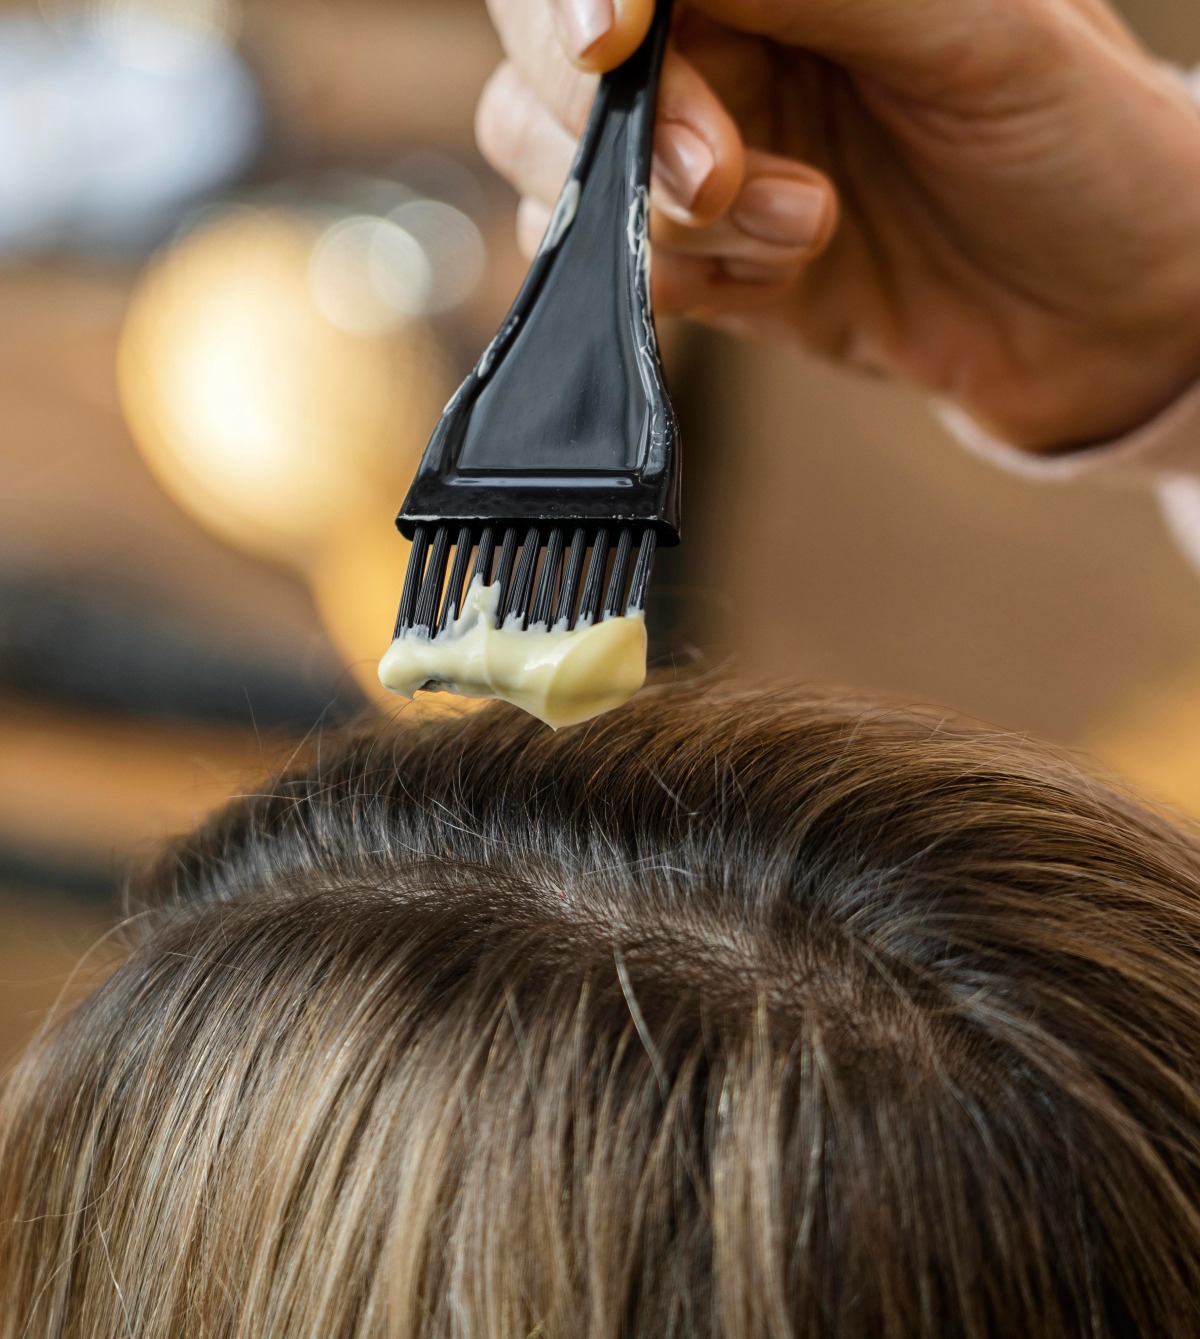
(736, 1013)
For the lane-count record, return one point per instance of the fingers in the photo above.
(699, 158)
(781, 221)
(530, 40)
(698, 154)
(728, 297)
(698, 284)
(729, 223)
(519, 137)
(783, 218)
(698, 145)
(783, 208)
(600, 34)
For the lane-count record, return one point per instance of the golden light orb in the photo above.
(276, 416)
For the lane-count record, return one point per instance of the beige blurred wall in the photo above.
(1169, 27)
(838, 535)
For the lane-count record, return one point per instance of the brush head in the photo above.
(548, 576)
(550, 624)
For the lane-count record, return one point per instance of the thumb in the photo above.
(599, 34)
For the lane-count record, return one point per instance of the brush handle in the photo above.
(567, 417)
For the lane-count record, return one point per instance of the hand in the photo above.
(996, 199)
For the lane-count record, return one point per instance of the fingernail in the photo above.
(751, 272)
(683, 162)
(585, 22)
(781, 210)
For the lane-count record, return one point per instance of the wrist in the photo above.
(1107, 396)
(1140, 352)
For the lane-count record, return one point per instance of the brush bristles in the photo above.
(549, 576)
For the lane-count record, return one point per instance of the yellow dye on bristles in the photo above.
(562, 676)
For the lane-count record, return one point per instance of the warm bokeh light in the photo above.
(452, 246)
(368, 275)
(283, 431)
(1153, 741)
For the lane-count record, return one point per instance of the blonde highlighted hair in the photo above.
(737, 1013)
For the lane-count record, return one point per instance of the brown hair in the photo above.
(740, 1013)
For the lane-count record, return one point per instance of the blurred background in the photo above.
(246, 252)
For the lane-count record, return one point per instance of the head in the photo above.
(735, 1013)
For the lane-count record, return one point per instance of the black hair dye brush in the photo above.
(554, 471)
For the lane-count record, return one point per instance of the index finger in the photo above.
(527, 34)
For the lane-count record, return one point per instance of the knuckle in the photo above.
(498, 117)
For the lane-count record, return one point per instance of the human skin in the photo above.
(997, 200)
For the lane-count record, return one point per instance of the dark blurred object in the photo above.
(86, 795)
(92, 644)
(114, 121)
